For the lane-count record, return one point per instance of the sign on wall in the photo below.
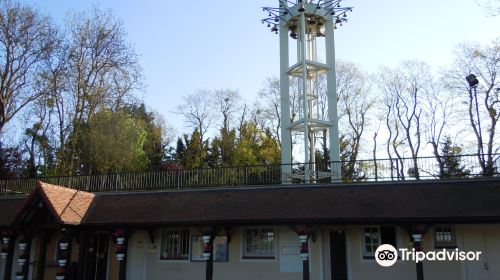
(220, 249)
(289, 252)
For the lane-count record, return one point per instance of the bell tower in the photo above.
(311, 26)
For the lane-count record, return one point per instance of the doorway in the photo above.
(97, 256)
(338, 255)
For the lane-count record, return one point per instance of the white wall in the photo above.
(360, 268)
(485, 238)
(144, 263)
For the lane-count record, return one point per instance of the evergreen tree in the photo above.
(11, 162)
(191, 152)
(450, 165)
(179, 151)
(256, 147)
(154, 145)
(222, 149)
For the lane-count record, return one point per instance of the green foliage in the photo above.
(38, 146)
(112, 142)
(256, 147)
(222, 149)
(251, 147)
(350, 172)
(154, 146)
(450, 165)
(191, 152)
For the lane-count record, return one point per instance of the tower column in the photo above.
(333, 132)
(305, 102)
(286, 137)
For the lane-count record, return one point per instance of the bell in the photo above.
(319, 33)
(293, 35)
(302, 8)
(274, 29)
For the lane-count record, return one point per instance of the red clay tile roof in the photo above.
(424, 201)
(69, 205)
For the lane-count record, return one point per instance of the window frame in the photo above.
(371, 255)
(245, 255)
(452, 244)
(163, 245)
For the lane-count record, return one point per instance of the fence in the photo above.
(393, 169)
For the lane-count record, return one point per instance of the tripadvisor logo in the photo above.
(386, 255)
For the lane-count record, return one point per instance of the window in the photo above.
(444, 237)
(258, 243)
(375, 236)
(174, 244)
(371, 240)
(220, 249)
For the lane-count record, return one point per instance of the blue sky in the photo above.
(190, 45)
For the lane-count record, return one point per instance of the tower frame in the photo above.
(306, 21)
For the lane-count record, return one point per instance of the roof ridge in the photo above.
(71, 207)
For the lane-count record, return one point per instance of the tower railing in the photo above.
(359, 171)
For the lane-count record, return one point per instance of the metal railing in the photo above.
(395, 169)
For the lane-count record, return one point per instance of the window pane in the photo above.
(444, 236)
(371, 240)
(259, 243)
(175, 244)
(388, 235)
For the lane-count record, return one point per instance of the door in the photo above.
(338, 256)
(97, 257)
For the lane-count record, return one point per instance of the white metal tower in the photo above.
(306, 21)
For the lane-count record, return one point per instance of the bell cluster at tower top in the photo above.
(316, 13)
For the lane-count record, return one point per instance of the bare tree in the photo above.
(490, 6)
(439, 115)
(405, 88)
(197, 111)
(269, 111)
(482, 101)
(355, 103)
(26, 40)
(96, 69)
(37, 137)
(228, 102)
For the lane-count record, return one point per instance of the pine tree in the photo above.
(450, 165)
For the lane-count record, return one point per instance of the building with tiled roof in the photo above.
(320, 231)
